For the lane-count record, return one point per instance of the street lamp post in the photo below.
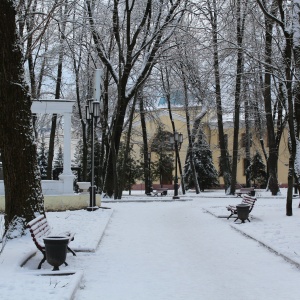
(149, 174)
(92, 112)
(177, 140)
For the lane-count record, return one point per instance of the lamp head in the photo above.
(87, 113)
(90, 104)
(96, 109)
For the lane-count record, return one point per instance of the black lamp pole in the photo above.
(149, 173)
(177, 140)
(92, 113)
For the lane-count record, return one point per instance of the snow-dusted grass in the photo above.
(165, 250)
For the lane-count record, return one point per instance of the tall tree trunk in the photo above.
(190, 151)
(105, 129)
(257, 112)
(77, 65)
(288, 83)
(247, 143)
(296, 92)
(83, 123)
(23, 194)
(224, 159)
(288, 55)
(167, 93)
(273, 154)
(57, 93)
(297, 88)
(121, 176)
(240, 23)
(30, 25)
(111, 182)
(147, 170)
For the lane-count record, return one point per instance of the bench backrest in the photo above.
(249, 200)
(39, 228)
(246, 189)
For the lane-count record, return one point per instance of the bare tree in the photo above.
(212, 15)
(241, 11)
(64, 13)
(140, 29)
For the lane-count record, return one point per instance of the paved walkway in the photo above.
(164, 251)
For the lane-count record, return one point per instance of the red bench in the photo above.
(246, 200)
(243, 191)
(39, 229)
(161, 191)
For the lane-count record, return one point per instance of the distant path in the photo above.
(175, 251)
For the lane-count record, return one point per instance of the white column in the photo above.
(67, 144)
(67, 176)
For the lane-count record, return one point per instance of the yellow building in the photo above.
(209, 124)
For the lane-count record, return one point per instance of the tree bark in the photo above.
(240, 21)
(83, 123)
(292, 131)
(273, 153)
(224, 159)
(288, 74)
(167, 93)
(147, 170)
(57, 94)
(190, 151)
(23, 193)
(121, 176)
(247, 143)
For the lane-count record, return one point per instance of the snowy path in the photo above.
(162, 251)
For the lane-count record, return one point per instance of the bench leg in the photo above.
(230, 216)
(42, 261)
(69, 249)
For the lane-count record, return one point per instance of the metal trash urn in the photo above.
(243, 212)
(56, 250)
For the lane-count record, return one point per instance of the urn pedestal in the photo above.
(243, 212)
(56, 250)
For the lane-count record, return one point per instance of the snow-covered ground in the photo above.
(164, 249)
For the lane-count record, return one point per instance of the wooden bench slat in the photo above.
(38, 223)
(37, 219)
(244, 191)
(39, 228)
(40, 233)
